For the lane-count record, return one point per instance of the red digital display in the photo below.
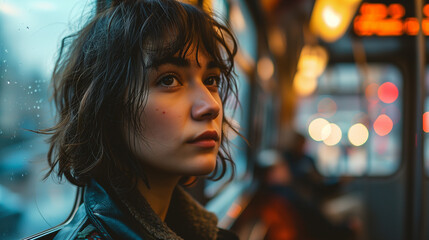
(377, 19)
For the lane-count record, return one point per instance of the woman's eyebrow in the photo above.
(177, 61)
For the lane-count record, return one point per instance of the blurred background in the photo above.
(332, 102)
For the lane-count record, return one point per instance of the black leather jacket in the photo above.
(111, 220)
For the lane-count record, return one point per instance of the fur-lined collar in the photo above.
(186, 218)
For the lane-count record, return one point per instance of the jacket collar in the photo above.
(131, 217)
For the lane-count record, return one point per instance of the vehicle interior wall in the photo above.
(384, 197)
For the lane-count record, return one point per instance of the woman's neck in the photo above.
(160, 192)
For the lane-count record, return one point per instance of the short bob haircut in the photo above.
(100, 84)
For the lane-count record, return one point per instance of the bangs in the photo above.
(187, 30)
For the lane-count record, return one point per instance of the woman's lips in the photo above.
(204, 143)
(207, 139)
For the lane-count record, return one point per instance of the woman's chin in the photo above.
(203, 166)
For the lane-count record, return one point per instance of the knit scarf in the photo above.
(186, 218)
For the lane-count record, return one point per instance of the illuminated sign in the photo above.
(388, 20)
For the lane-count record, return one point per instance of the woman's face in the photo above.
(182, 119)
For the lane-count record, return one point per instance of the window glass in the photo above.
(353, 123)
(243, 27)
(30, 35)
(237, 114)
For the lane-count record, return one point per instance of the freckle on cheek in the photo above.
(163, 112)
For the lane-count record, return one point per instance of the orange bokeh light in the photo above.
(426, 122)
(387, 92)
(411, 26)
(383, 125)
(374, 11)
(396, 10)
(426, 10)
(382, 20)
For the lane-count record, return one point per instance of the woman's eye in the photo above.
(169, 81)
(212, 81)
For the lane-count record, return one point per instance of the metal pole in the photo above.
(419, 170)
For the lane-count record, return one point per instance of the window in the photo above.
(353, 124)
(245, 30)
(30, 34)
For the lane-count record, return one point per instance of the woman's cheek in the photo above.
(164, 123)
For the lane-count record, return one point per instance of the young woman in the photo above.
(140, 92)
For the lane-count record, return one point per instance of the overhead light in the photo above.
(330, 18)
(312, 60)
(311, 64)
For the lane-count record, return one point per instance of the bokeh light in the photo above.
(277, 41)
(388, 92)
(265, 68)
(304, 85)
(312, 60)
(396, 11)
(426, 122)
(315, 129)
(383, 125)
(426, 10)
(331, 17)
(334, 135)
(358, 134)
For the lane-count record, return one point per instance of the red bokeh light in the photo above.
(388, 92)
(426, 122)
(383, 125)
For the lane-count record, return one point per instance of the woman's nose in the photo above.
(205, 106)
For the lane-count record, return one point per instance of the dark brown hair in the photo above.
(100, 83)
